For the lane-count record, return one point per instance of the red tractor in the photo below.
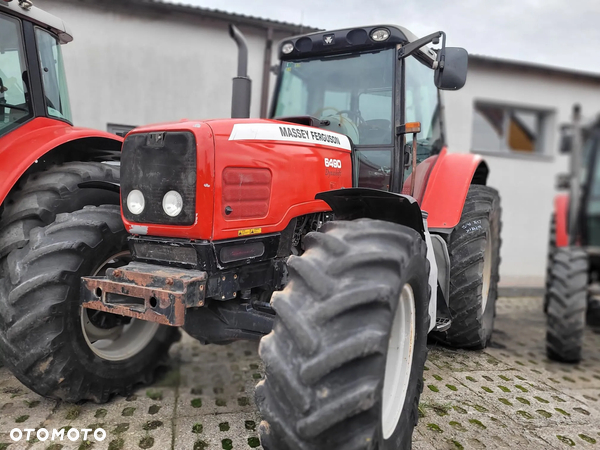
(339, 233)
(572, 284)
(48, 166)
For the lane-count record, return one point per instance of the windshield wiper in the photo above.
(8, 105)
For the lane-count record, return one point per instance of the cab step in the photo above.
(442, 324)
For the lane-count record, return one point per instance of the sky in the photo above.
(562, 33)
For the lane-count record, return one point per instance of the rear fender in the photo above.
(561, 213)
(448, 186)
(43, 141)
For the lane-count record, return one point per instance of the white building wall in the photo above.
(527, 183)
(136, 67)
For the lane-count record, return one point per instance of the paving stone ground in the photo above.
(508, 396)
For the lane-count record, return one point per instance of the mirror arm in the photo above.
(411, 47)
(442, 55)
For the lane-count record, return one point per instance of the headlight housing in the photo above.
(172, 203)
(287, 48)
(380, 34)
(136, 202)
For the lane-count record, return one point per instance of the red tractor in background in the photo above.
(573, 276)
(339, 233)
(48, 167)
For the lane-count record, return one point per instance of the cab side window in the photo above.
(422, 105)
(14, 102)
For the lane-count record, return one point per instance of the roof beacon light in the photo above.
(380, 34)
(287, 48)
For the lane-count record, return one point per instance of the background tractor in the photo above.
(49, 167)
(339, 233)
(573, 276)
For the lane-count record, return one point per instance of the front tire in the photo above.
(474, 249)
(354, 312)
(45, 341)
(567, 304)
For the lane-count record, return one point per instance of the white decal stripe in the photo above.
(289, 133)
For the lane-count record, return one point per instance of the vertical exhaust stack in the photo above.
(242, 85)
(575, 170)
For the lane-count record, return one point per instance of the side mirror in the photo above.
(451, 73)
(566, 139)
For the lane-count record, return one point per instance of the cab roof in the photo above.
(350, 40)
(25, 10)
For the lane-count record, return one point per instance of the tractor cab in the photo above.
(367, 83)
(590, 177)
(32, 76)
(572, 298)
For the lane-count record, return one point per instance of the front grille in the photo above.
(156, 163)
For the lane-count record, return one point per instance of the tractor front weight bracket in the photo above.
(146, 292)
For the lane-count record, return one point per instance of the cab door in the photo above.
(422, 104)
(590, 212)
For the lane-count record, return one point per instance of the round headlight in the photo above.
(287, 48)
(136, 202)
(380, 34)
(172, 203)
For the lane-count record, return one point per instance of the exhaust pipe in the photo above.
(242, 85)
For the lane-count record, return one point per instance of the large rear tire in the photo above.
(344, 363)
(567, 304)
(48, 342)
(474, 249)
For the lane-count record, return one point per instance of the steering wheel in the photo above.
(348, 127)
(339, 112)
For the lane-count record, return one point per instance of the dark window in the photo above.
(508, 129)
(119, 130)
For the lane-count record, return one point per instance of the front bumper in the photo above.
(147, 292)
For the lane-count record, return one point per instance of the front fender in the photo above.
(358, 203)
(21, 148)
(561, 214)
(448, 186)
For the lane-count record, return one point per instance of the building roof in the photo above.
(533, 68)
(237, 19)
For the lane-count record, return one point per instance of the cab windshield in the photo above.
(15, 106)
(353, 92)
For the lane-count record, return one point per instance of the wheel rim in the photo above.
(122, 341)
(487, 273)
(399, 361)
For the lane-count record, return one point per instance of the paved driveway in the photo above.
(508, 396)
